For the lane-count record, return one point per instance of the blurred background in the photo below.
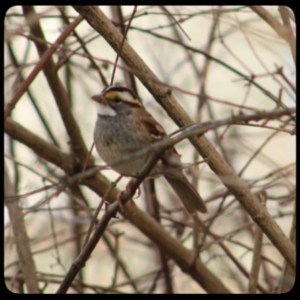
(174, 42)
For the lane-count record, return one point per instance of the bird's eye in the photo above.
(117, 100)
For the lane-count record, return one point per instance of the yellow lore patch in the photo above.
(124, 96)
(111, 95)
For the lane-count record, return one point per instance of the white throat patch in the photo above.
(105, 110)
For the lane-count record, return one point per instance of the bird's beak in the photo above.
(100, 99)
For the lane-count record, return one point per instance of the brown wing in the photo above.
(154, 130)
(170, 158)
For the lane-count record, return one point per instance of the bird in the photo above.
(123, 127)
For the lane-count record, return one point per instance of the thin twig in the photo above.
(39, 66)
(122, 43)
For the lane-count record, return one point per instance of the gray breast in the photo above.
(114, 139)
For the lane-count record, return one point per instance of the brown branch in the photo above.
(42, 148)
(284, 31)
(21, 238)
(58, 90)
(271, 20)
(290, 38)
(288, 276)
(256, 260)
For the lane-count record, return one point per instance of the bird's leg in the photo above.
(128, 187)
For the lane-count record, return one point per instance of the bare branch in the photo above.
(23, 245)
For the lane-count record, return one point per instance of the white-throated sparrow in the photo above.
(124, 126)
